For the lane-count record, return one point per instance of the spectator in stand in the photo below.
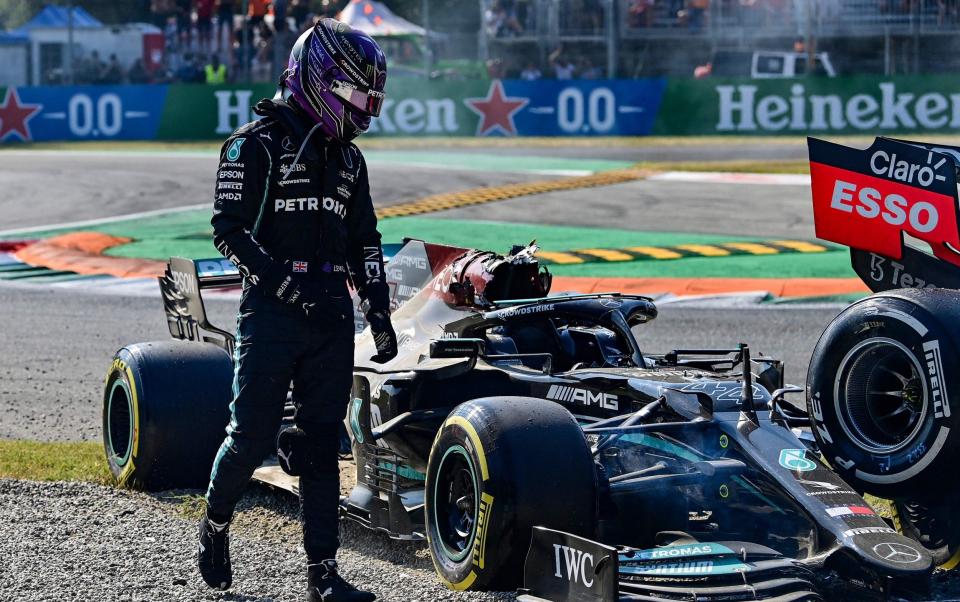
(225, 14)
(189, 71)
(495, 69)
(501, 20)
(160, 11)
(299, 10)
(698, 10)
(256, 11)
(588, 70)
(279, 11)
(531, 72)
(138, 74)
(205, 24)
(563, 67)
(215, 72)
(640, 13)
(184, 22)
(113, 73)
(283, 41)
(94, 69)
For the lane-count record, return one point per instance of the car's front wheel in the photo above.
(498, 467)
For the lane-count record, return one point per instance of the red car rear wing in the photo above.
(887, 203)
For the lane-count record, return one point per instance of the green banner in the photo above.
(416, 107)
(848, 105)
(412, 108)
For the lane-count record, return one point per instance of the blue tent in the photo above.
(9, 38)
(56, 17)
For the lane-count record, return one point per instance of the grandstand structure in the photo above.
(632, 38)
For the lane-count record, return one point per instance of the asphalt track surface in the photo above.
(57, 344)
(42, 188)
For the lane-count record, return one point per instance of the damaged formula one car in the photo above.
(536, 444)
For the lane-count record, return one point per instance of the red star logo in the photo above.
(15, 117)
(496, 110)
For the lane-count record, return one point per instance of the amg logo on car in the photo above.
(584, 397)
(931, 351)
(409, 261)
(574, 565)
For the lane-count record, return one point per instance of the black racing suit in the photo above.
(286, 204)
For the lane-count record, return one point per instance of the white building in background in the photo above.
(48, 35)
(14, 59)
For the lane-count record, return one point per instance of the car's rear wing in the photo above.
(180, 288)
(409, 267)
(895, 205)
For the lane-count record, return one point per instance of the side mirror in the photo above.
(454, 348)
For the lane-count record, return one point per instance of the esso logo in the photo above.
(894, 209)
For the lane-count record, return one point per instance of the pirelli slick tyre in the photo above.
(498, 467)
(165, 407)
(883, 392)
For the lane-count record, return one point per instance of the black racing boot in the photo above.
(326, 585)
(214, 556)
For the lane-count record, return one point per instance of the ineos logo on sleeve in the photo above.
(574, 567)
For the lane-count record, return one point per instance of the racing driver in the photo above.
(293, 212)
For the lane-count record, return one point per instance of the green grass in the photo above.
(44, 461)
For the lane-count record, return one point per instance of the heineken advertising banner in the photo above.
(412, 108)
(865, 105)
(849, 105)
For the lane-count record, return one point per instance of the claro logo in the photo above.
(576, 566)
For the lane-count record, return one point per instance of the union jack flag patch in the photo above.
(300, 267)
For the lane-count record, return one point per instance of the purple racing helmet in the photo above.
(336, 75)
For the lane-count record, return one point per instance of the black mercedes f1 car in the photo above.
(535, 443)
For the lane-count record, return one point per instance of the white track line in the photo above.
(719, 177)
(105, 220)
(373, 160)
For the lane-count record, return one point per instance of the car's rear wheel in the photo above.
(165, 407)
(498, 467)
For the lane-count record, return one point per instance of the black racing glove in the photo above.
(383, 336)
(279, 282)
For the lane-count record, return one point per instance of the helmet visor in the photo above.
(368, 101)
